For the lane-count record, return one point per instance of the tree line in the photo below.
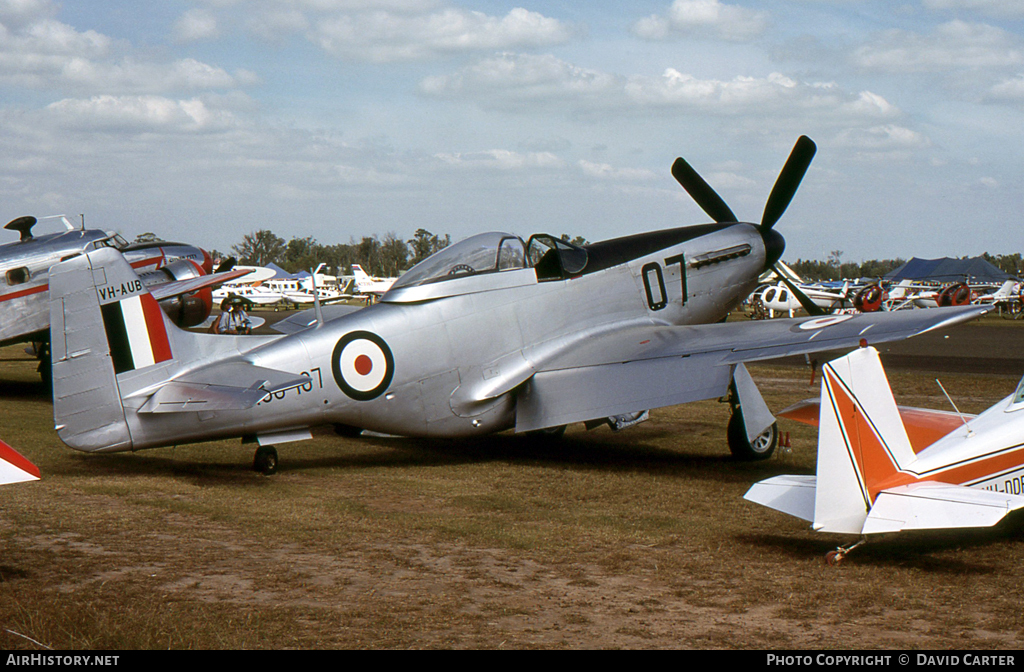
(386, 256)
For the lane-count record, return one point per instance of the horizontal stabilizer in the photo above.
(238, 386)
(930, 506)
(793, 495)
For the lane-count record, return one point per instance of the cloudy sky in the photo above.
(204, 120)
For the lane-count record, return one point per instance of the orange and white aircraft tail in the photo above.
(869, 479)
(15, 467)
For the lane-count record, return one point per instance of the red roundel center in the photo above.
(363, 365)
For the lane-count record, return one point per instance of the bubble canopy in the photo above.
(482, 253)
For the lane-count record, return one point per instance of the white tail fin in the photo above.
(862, 444)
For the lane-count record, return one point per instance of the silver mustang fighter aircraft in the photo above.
(489, 334)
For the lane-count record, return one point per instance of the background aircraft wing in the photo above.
(178, 287)
(650, 366)
(924, 426)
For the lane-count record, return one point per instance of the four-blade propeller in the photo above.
(782, 193)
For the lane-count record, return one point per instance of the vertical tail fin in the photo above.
(862, 443)
(109, 337)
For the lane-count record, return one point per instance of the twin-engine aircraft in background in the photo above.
(489, 334)
(883, 468)
(179, 275)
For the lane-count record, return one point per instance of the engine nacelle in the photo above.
(186, 310)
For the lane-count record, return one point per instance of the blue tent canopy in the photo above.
(948, 270)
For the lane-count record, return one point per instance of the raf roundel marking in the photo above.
(822, 322)
(363, 365)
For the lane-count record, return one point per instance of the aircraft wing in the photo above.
(650, 366)
(220, 387)
(924, 426)
(178, 287)
(14, 467)
(930, 506)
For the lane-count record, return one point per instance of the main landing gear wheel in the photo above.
(761, 448)
(265, 460)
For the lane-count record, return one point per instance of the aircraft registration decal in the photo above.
(136, 333)
(363, 365)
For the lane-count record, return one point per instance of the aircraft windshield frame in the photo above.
(483, 253)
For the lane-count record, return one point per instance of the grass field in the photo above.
(639, 539)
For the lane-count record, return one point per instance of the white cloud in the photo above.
(135, 114)
(195, 24)
(43, 53)
(889, 138)
(500, 159)
(955, 45)
(524, 82)
(1008, 91)
(515, 80)
(703, 18)
(606, 171)
(382, 36)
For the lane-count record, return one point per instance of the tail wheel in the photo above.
(761, 448)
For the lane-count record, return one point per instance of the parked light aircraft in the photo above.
(488, 334)
(367, 284)
(15, 467)
(883, 468)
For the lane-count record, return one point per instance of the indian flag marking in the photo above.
(136, 333)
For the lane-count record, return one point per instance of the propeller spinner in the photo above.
(782, 193)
